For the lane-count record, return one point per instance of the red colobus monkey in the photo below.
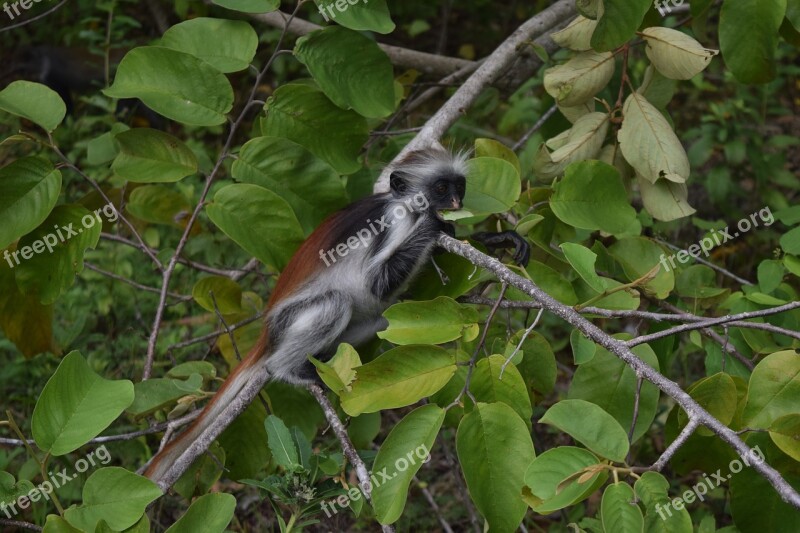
(333, 291)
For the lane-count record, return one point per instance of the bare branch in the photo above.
(679, 441)
(486, 74)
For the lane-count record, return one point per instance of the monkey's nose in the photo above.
(456, 203)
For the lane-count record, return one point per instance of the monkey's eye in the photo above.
(441, 188)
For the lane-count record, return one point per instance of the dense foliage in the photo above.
(161, 162)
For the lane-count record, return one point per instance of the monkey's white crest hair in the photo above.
(421, 166)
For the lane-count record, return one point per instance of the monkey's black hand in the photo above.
(506, 239)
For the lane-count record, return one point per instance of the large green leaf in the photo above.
(302, 113)
(580, 78)
(591, 196)
(399, 377)
(493, 186)
(405, 449)
(432, 322)
(115, 495)
(619, 510)
(748, 37)
(36, 102)
(76, 405)
(158, 393)
(717, 395)
(638, 256)
(610, 383)
(773, 390)
(226, 293)
(52, 256)
(493, 444)
(649, 144)
(350, 69)
(618, 23)
(583, 260)
(283, 449)
(239, 209)
(152, 156)
(159, 204)
(487, 386)
(227, 45)
(555, 480)
(210, 513)
(675, 54)
(652, 489)
(369, 15)
(307, 183)
(29, 188)
(591, 426)
(174, 84)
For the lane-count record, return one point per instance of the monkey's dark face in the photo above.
(447, 192)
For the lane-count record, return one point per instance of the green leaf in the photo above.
(350, 69)
(583, 260)
(492, 443)
(591, 426)
(303, 114)
(174, 84)
(152, 156)
(368, 15)
(748, 37)
(496, 149)
(250, 6)
(210, 513)
(245, 443)
(227, 45)
(431, 322)
(577, 35)
(583, 349)
(675, 54)
(785, 433)
(582, 141)
(717, 395)
(102, 149)
(399, 377)
(618, 23)
(555, 480)
(227, 293)
(307, 183)
(657, 88)
(488, 387)
(609, 383)
(638, 256)
(280, 443)
(76, 405)
(24, 320)
(51, 256)
(619, 510)
(115, 495)
(790, 241)
(56, 524)
(238, 210)
(159, 204)
(36, 102)
(665, 200)
(773, 390)
(339, 372)
(580, 78)
(415, 433)
(493, 186)
(29, 189)
(652, 489)
(591, 196)
(11, 489)
(158, 393)
(649, 144)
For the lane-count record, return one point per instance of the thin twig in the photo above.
(679, 441)
(709, 264)
(132, 283)
(536, 127)
(18, 523)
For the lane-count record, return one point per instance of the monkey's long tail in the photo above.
(239, 389)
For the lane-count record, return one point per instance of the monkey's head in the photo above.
(433, 179)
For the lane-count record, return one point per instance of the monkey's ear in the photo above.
(397, 184)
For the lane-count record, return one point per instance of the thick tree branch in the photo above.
(402, 57)
(489, 71)
(619, 348)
